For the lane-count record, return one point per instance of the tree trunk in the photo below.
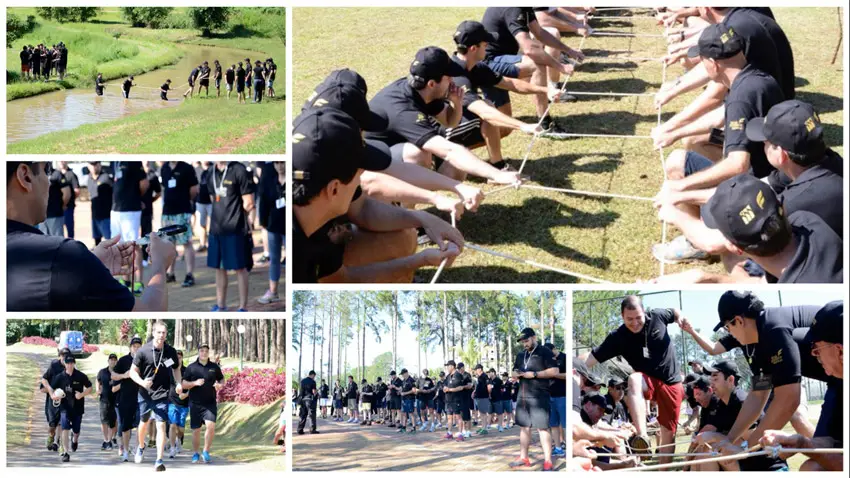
(543, 314)
(222, 336)
(321, 370)
(395, 328)
(331, 342)
(363, 349)
(313, 338)
(445, 325)
(419, 331)
(178, 334)
(360, 318)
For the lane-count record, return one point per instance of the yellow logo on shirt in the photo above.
(747, 214)
(312, 95)
(296, 138)
(760, 200)
(420, 118)
(320, 102)
(737, 125)
(776, 359)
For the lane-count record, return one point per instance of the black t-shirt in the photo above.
(752, 94)
(765, 46)
(272, 207)
(380, 391)
(55, 367)
(128, 394)
(407, 385)
(194, 74)
(259, 72)
(454, 380)
(481, 383)
(727, 413)
(25, 56)
(104, 379)
(58, 182)
(324, 390)
(126, 176)
(782, 356)
(217, 72)
(147, 198)
(229, 75)
(366, 394)
(538, 360)
(337, 393)
(173, 396)
(178, 182)
(620, 411)
(70, 384)
(228, 212)
(240, 76)
(165, 87)
(708, 414)
(439, 394)
(396, 383)
(467, 381)
(203, 189)
(820, 252)
(317, 256)
(101, 202)
(496, 391)
(426, 388)
(211, 373)
(52, 273)
(480, 76)
(661, 363)
(351, 391)
(506, 22)
(411, 120)
(204, 75)
(819, 190)
(308, 387)
(272, 71)
(98, 86)
(127, 84)
(156, 364)
(558, 388)
(74, 183)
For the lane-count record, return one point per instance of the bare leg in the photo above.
(221, 287)
(242, 281)
(636, 402)
(208, 435)
(524, 441)
(545, 443)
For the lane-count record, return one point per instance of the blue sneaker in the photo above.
(206, 457)
(216, 308)
(196, 458)
(557, 451)
(159, 465)
(240, 309)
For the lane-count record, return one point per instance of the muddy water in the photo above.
(28, 118)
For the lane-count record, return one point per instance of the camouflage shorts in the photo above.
(183, 220)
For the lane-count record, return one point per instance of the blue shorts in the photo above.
(505, 65)
(695, 162)
(70, 421)
(177, 415)
(227, 252)
(407, 406)
(558, 412)
(507, 406)
(157, 408)
(497, 407)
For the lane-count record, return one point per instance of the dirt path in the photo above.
(241, 141)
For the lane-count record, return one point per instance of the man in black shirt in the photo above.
(203, 380)
(153, 366)
(70, 388)
(643, 342)
(130, 183)
(240, 83)
(99, 187)
(481, 394)
(193, 76)
(308, 399)
(380, 399)
(99, 84)
(232, 189)
(107, 401)
(58, 198)
(217, 78)
(164, 89)
(439, 401)
(425, 400)
(51, 412)
(708, 402)
(259, 77)
(25, 62)
(408, 402)
(394, 400)
(204, 78)
(271, 212)
(229, 78)
(74, 183)
(724, 382)
(125, 87)
(180, 188)
(453, 387)
(558, 402)
(150, 196)
(271, 74)
(127, 407)
(54, 273)
(325, 398)
(367, 395)
(351, 392)
(468, 403)
(616, 393)
(496, 388)
(178, 410)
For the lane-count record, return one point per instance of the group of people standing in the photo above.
(38, 62)
(260, 75)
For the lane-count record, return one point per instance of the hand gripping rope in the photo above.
(757, 450)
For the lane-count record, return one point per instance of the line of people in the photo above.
(260, 75)
(38, 62)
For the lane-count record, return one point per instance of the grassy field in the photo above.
(197, 126)
(246, 434)
(21, 374)
(605, 238)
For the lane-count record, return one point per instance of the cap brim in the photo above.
(454, 70)
(707, 217)
(376, 156)
(812, 336)
(693, 51)
(492, 37)
(719, 326)
(709, 368)
(376, 122)
(755, 130)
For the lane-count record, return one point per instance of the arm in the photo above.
(495, 117)
(193, 192)
(177, 374)
(248, 203)
(522, 87)
(711, 348)
(591, 361)
(750, 412)
(690, 81)
(710, 99)
(434, 181)
(735, 163)
(66, 196)
(535, 51)
(155, 296)
(667, 135)
(116, 388)
(786, 399)
(463, 159)
(134, 376)
(388, 188)
(551, 372)
(144, 184)
(549, 40)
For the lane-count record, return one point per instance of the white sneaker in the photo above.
(125, 456)
(432, 428)
(500, 429)
(467, 434)
(423, 427)
(171, 452)
(179, 449)
(139, 454)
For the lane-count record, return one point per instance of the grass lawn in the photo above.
(245, 434)
(20, 383)
(609, 239)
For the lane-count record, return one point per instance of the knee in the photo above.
(635, 384)
(811, 465)
(555, 33)
(675, 164)
(412, 154)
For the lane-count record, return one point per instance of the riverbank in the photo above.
(198, 126)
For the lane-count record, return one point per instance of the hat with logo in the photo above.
(828, 325)
(732, 304)
(717, 42)
(470, 33)
(432, 63)
(526, 333)
(328, 145)
(728, 367)
(135, 340)
(345, 90)
(792, 125)
(595, 399)
(745, 210)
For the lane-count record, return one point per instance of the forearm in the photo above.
(700, 106)
(522, 87)
(155, 296)
(709, 347)
(537, 54)
(750, 412)
(381, 217)
(464, 160)
(493, 116)
(785, 402)
(691, 80)
(387, 188)
(698, 125)
(419, 176)
(734, 164)
(134, 376)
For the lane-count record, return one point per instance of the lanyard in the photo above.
(527, 358)
(161, 356)
(223, 175)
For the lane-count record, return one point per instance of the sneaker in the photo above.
(677, 251)
(467, 434)
(202, 249)
(557, 451)
(179, 448)
(263, 259)
(241, 309)
(125, 456)
(145, 263)
(300, 432)
(159, 465)
(432, 428)
(114, 441)
(459, 437)
(138, 288)
(170, 278)
(401, 430)
(206, 456)
(547, 466)
(448, 436)
(109, 445)
(140, 452)
(500, 429)
(552, 130)
(74, 445)
(520, 463)
(639, 444)
(423, 427)
(189, 281)
(171, 452)
(268, 298)
(196, 457)
(151, 442)
(216, 308)
(52, 447)
(391, 425)
(314, 432)
(66, 457)
(412, 431)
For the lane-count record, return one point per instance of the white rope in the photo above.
(628, 35)
(594, 135)
(605, 9)
(604, 93)
(536, 264)
(685, 442)
(443, 263)
(620, 17)
(663, 168)
(623, 58)
(772, 451)
(494, 191)
(587, 193)
(713, 453)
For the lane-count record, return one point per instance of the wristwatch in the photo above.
(535, 374)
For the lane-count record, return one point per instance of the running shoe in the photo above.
(159, 465)
(448, 436)
(552, 130)
(459, 437)
(179, 448)
(639, 444)
(391, 425)
(171, 453)
(170, 278)
(520, 462)
(196, 458)
(423, 427)
(432, 428)
(467, 434)
(115, 441)
(557, 451)
(189, 281)
(206, 456)
(74, 445)
(202, 249)
(138, 289)
(125, 456)
(547, 466)
(401, 430)
(677, 251)
(140, 452)
(500, 429)
(263, 259)
(314, 432)
(241, 309)
(412, 431)
(268, 298)
(109, 445)
(216, 308)
(151, 442)
(66, 457)
(53, 447)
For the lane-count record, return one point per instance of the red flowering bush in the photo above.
(39, 341)
(252, 386)
(90, 349)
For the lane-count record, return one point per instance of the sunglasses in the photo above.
(816, 350)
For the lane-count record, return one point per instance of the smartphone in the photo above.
(166, 231)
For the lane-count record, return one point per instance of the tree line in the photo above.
(457, 324)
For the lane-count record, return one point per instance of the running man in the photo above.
(178, 410)
(125, 87)
(51, 412)
(180, 188)
(203, 380)
(70, 388)
(151, 373)
(127, 403)
(107, 400)
(163, 90)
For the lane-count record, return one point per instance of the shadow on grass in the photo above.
(555, 171)
(599, 67)
(106, 22)
(822, 102)
(833, 135)
(613, 85)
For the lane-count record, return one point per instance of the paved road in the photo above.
(89, 456)
(344, 446)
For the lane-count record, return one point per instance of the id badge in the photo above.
(118, 175)
(280, 203)
(645, 353)
(172, 183)
(169, 363)
(222, 191)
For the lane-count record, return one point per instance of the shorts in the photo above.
(483, 405)
(429, 404)
(669, 398)
(453, 407)
(182, 219)
(397, 155)
(240, 87)
(497, 407)
(205, 83)
(108, 415)
(125, 94)
(25, 68)
(762, 463)
(205, 210)
(695, 162)
(128, 416)
(394, 403)
(162, 96)
(228, 86)
(558, 412)
(199, 414)
(365, 406)
(227, 252)
(352, 404)
(467, 132)
(177, 415)
(507, 406)
(324, 402)
(407, 406)
(465, 412)
(127, 224)
(191, 83)
(271, 83)
(51, 413)
(71, 421)
(506, 65)
(157, 408)
(440, 406)
(533, 413)
(338, 404)
(218, 83)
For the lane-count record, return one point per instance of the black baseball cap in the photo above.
(549, 345)
(452, 363)
(595, 399)
(745, 210)
(460, 365)
(733, 303)
(593, 380)
(135, 340)
(203, 346)
(616, 382)
(328, 145)
(470, 33)
(392, 373)
(692, 362)
(828, 325)
(792, 125)
(580, 367)
(403, 371)
(728, 367)
(526, 333)
(112, 356)
(64, 351)
(479, 366)
(345, 90)
(717, 42)
(702, 383)
(691, 377)
(432, 63)
(69, 359)
(492, 370)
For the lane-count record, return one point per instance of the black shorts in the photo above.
(51, 413)
(205, 83)
(762, 463)
(453, 407)
(108, 416)
(240, 87)
(198, 414)
(394, 402)
(467, 132)
(533, 413)
(128, 416)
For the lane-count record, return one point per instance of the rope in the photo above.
(536, 264)
(622, 58)
(509, 186)
(587, 193)
(772, 451)
(602, 93)
(594, 135)
(627, 34)
(714, 453)
(443, 263)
